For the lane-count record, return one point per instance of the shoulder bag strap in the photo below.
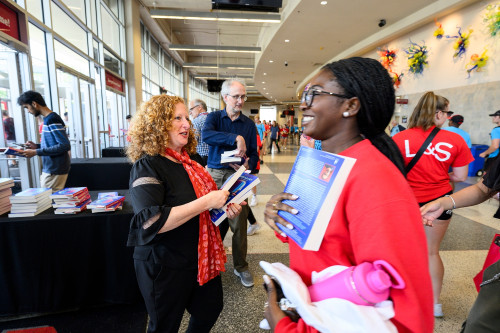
(421, 150)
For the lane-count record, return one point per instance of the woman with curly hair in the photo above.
(178, 251)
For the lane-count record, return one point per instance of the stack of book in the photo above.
(5, 193)
(107, 202)
(229, 157)
(239, 185)
(70, 200)
(30, 202)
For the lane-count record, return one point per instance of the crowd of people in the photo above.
(347, 109)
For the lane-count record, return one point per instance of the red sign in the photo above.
(8, 21)
(114, 82)
(402, 101)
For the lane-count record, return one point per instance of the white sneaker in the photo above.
(252, 228)
(253, 201)
(438, 310)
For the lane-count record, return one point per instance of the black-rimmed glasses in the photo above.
(191, 109)
(308, 95)
(238, 97)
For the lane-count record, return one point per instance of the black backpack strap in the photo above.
(422, 150)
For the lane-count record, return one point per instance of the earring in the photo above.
(345, 114)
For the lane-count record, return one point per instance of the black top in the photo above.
(492, 177)
(164, 184)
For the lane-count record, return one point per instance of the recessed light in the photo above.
(287, 41)
(267, 93)
(323, 2)
(263, 82)
(264, 88)
(265, 73)
(271, 61)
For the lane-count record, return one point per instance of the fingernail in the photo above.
(294, 211)
(283, 235)
(295, 197)
(266, 278)
(289, 226)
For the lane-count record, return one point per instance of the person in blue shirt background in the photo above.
(454, 123)
(54, 148)
(492, 151)
(227, 130)
(396, 128)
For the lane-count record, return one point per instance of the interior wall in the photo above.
(473, 97)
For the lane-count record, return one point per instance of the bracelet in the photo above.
(454, 204)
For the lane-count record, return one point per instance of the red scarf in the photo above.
(211, 255)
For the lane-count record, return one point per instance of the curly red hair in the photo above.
(149, 128)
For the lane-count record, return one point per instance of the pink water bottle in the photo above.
(364, 284)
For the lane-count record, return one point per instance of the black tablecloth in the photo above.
(99, 173)
(113, 152)
(57, 262)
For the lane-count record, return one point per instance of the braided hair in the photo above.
(369, 81)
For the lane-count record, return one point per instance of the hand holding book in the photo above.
(275, 204)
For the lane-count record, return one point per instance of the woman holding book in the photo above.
(430, 175)
(347, 106)
(178, 250)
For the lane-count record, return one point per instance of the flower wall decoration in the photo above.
(492, 19)
(387, 57)
(417, 57)
(462, 42)
(476, 62)
(439, 32)
(396, 78)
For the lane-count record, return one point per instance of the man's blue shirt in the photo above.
(220, 134)
(460, 132)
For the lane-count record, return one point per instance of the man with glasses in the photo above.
(227, 130)
(198, 112)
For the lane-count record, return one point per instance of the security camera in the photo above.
(286, 63)
(382, 23)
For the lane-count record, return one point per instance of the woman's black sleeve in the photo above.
(147, 193)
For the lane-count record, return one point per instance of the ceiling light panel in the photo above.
(215, 16)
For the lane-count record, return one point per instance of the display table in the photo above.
(99, 173)
(113, 152)
(54, 262)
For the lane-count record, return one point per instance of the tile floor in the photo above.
(463, 251)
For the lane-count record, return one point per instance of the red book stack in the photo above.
(70, 200)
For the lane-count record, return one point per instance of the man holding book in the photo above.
(54, 148)
(226, 130)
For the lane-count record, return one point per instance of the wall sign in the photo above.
(114, 82)
(9, 21)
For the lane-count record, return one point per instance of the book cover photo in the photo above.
(317, 178)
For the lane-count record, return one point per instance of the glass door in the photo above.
(76, 105)
(13, 129)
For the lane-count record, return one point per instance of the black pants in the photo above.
(168, 292)
(271, 144)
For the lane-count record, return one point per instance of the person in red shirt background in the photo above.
(429, 178)
(348, 106)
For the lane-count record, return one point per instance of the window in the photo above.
(34, 7)
(110, 31)
(77, 7)
(69, 29)
(38, 52)
(70, 58)
(112, 63)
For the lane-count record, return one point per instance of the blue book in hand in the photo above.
(317, 178)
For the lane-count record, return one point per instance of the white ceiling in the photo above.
(317, 33)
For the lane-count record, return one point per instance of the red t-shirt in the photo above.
(376, 217)
(429, 178)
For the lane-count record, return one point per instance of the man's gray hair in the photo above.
(226, 85)
(197, 102)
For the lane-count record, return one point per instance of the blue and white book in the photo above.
(31, 195)
(317, 178)
(238, 192)
(106, 194)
